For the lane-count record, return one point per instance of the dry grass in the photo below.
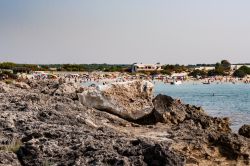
(8, 81)
(14, 146)
(46, 163)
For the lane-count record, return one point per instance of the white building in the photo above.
(146, 67)
(235, 67)
(182, 75)
(205, 68)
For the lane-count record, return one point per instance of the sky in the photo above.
(124, 31)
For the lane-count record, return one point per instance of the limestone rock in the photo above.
(245, 131)
(22, 85)
(67, 89)
(4, 87)
(8, 159)
(172, 111)
(234, 147)
(168, 110)
(129, 100)
(55, 129)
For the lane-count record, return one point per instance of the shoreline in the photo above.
(47, 120)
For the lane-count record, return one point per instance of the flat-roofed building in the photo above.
(206, 68)
(181, 76)
(237, 66)
(146, 67)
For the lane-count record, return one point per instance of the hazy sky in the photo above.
(124, 31)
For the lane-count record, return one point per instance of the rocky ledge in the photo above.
(49, 123)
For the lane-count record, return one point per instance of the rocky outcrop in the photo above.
(207, 137)
(130, 100)
(67, 89)
(234, 147)
(168, 110)
(173, 111)
(41, 127)
(9, 159)
(245, 131)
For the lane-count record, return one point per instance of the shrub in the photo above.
(9, 75)
(245, 69)
(197, 73)
(239, 73)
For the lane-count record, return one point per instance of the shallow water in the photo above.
(222, 100)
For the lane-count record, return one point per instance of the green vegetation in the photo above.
(226, 65)
(222, 69)
(198, 73)
(242, 72)
(239, 73)
(7, 75)
(7, 65)
(174, 68)
(65, 67)
(10, 65)
(94, 67)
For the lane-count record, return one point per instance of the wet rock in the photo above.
(245, 131)
(129, 100)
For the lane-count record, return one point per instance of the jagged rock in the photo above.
(172, 111)
(22, 85)
(168, 110)
(67, 89)
(245, 131)
(129, 100)
(234, 147)
(59, 130)
(8, 159)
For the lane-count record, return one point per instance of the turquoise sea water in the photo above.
(222, 100)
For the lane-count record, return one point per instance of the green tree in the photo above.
(226, 65)
(245, 69)
(7, 65)
(196, 73)
(239, 73)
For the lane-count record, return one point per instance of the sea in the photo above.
(217, 99)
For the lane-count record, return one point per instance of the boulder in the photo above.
(168, 110)
(67, 89)
(173, 111)
(130, 100)
(245, 131)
